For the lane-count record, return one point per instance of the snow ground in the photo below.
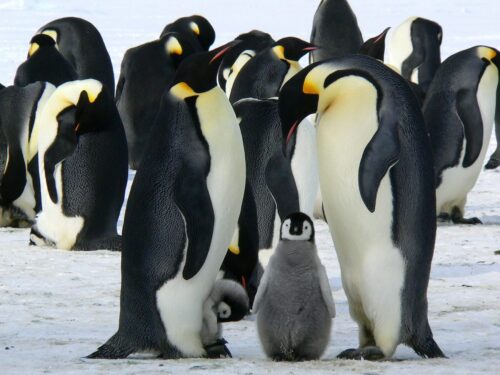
(58, 306)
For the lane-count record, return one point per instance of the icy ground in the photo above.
(58, 306)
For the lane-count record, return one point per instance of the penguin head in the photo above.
(177, 47)
(297, 227)
(291, 48)
(198, 73)
(40, 41)
(203, 30)
(375, 47)
(233, 304)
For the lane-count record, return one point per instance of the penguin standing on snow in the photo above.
(146, 72)
(373, 151)
(459, 112)
(335, 30)
(44, 63)
(263, 76)
(20, 185)
(196, 28)
(294, 303)
(82, 160)
(194, 178)
(82, 45)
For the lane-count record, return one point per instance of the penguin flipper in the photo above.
(116, 347)
(14, 178)
(469, 113)
(427, 348)
(193, 201)
(381, 153)
(261, 291)
(281, 183)
(326, 291)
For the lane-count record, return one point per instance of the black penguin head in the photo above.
(198, 72)
(40, 41)
(297, 227)
(255, 35)
(375, 47)
(196, 27)
(296, 101)
(177, 47)
(233, 304)
(291, 48)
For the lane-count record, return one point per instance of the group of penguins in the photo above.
(236, 149)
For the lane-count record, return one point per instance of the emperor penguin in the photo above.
(194, 178)
(146, 71)
(45, 63)
(459, 112)
(294, 303)
(20, 187)
(196, 28)
(494, 161)
(263, 76)
(335, 29)
(413, 48)
(250, 44)
(82, 45)
(82, 160)
(373, 150)
(227, 302)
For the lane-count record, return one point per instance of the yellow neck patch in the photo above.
(173, 47)
(486, 52)
(234, 249)
(280, 52)
(195, 28)
(182, 90)
(33, 48)
(310, 87)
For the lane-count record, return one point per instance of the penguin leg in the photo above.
(457, 216)
(218, 349)
(494, 161)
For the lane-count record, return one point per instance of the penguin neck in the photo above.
(298, 255)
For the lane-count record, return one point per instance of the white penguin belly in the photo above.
(180, 301)
(399, 45)
(372, 269)
(265, 254)
(457, 181)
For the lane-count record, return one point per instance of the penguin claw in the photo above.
(218, 350)
(369, 353)
(492, 164)
(472, 220)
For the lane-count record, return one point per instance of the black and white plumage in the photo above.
(197, 29)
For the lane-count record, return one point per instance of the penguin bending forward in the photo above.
(375, 170)
(82, 160)
(194, 178)
(197, 29)
(459, 111)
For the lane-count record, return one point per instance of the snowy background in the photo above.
(57, 306)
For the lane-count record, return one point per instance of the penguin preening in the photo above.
(372, 150)
(82, 161)
(263, 76)
(45, 63)
(335, 29)
(82, 45)
(196, 28)
(294, 303)
(459, 111)
(146, 71)
(181, 232)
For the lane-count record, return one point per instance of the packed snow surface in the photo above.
(58, 306)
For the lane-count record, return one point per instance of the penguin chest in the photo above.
(458, 181)
(362, 239)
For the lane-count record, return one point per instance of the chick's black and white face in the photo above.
(223, 311)
(297, 227)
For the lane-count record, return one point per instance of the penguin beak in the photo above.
(310, 48)
(220, 51)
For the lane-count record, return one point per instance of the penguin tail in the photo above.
(426, 347)
(116, 347)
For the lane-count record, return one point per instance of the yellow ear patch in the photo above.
(195, 28)
(486, 52)
(33, 48)
(182, 90)
(280, 52)
(310, 87)
(92, 95)
(234, 249)
(173, 46)
(51, 33)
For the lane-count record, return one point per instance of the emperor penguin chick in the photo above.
(294, 303)
(228, 302)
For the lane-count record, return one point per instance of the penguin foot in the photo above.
(443, 217)
(218, 350)
(492, 163)
(369, 353)
(462, 220)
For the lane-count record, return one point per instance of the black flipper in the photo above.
(14, 178)
(381, 153)
(469, 113)
(193, 200)
(116, 347)
(281, 184)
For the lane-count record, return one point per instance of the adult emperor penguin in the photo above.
(413, 48)
(459, 111)
(495, 157)
(82, 160)
(44, 63)
(294, 303)
(250, 44)
(82, 45)
(146, 71)
(196, 28)
(335, 29)
(20, 186)
(372, 151)
(194, 178)
(263, 76)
